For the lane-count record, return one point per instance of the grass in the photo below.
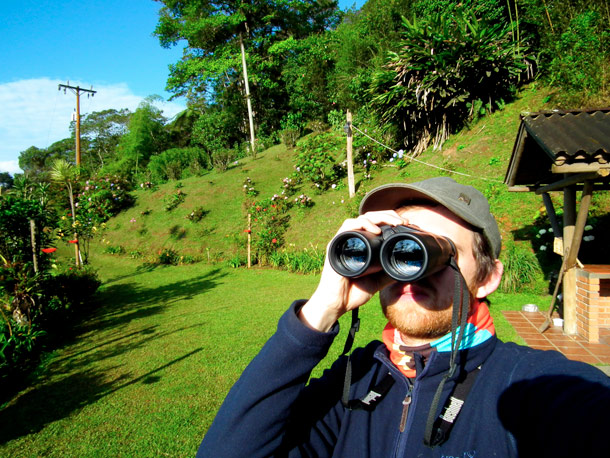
(146, 374)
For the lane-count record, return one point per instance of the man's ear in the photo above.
(492, 282)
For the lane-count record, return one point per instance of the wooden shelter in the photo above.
(564, 151)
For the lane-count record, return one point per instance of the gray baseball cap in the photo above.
(464, 201)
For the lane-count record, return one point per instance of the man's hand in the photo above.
(336, 294)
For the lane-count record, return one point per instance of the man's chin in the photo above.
(419, 322)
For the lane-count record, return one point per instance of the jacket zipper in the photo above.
(405, 411)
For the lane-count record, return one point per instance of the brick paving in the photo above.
(526, 324)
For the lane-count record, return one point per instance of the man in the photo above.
(436, 386)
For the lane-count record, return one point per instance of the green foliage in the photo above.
(145, 136)
(173, 200)
(36, 308)
(222, 158)
(582, 57)
(197, 215)
(307, 261)
(101, 132)
(168, 256)
(178, 163)
(249, 188)
(290, 136)
(15, 216)
(316, 160)
(445, 64)
(270, 221)
(521, 269)
(211, 66)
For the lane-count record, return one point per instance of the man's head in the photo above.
(466, 202)
(422, 309)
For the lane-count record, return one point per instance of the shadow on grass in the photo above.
(142, 269)
(50, 402)
(124, 303)
(112, 348)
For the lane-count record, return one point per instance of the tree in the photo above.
(65, 174)
(145, 136)
(219, 34)
(6, 180)
(36, 162)
(102, 131)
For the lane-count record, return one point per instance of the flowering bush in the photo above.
(249, 189)
(197, 215)
(316, 160)
(289, 186)
(303, 201)
(269, 223)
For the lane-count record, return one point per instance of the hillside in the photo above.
(479, 154)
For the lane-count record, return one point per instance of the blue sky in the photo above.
(104, 44)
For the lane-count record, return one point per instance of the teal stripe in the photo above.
(471, 338)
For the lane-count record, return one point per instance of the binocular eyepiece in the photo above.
(404, 253)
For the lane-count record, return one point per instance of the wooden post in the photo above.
(249, 240)
(350, 159)
(569, 278)
(34, 249)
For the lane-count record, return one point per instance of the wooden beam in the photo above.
(604, 169)
(566, 182)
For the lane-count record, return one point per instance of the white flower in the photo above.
(400, 153)
(391, 159)
(588, 238)
(542, 231)
(333, 185)
(543, 248)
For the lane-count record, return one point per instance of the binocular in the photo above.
(404, 253)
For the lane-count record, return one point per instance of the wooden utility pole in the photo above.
(77, 90)
(350, 156)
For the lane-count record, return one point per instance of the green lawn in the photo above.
(146, 374)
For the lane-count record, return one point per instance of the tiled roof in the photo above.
(549, 144)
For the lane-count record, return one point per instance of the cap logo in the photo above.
(464, 198)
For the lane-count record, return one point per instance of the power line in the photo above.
(411, 158)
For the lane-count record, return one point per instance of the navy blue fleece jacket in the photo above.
(524, 402)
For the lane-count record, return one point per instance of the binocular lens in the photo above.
(407, 257)
(353, 254)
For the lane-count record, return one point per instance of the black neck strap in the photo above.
(461, 296)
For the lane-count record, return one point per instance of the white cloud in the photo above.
(34, 112)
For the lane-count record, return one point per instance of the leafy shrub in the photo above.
(222, 158)
(269, 224)
(444, 65)
(316, 160)
(290, 136)
(316, 126)
(178, 163)
(114, 249)
(306, 261)
(521, 269)
(197, 215)
(15, 216)
(173, 200)
(37, 309)
(249, 188)
(167, 256)
(581, 63)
